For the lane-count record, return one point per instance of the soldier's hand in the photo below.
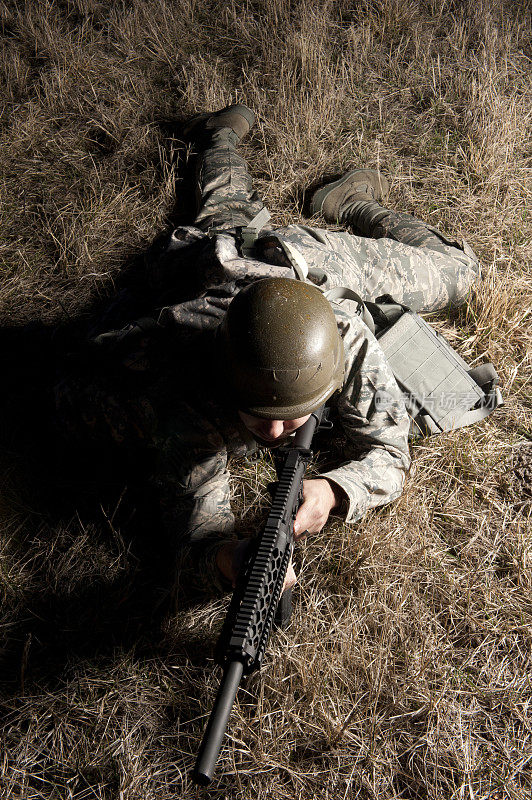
(290, 578)
(320, 497)
(231, 557)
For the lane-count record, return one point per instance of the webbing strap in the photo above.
(493, 400)
(298, 262)
(296, 259)
(251, 231)
(426, 425)
(483, 374)
(344, 293)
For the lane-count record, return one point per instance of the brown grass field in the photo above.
(407, 673)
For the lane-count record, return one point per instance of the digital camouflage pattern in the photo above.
(163, 399)
(422, 270)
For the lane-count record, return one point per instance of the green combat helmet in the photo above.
(282, 348)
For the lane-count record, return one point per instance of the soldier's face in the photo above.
(270, 431)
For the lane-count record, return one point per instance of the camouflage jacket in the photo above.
(162, 392)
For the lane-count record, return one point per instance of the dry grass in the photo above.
(408, 673)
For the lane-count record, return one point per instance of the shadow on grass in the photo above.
(86, 566)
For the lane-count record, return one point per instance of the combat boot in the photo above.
(237, 117)
(342, 201)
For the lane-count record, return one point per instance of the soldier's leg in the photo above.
(422, 268)
(423, 279)
(404, 257)
(224, 192)
(428, 276)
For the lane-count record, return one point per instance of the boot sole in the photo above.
(319, 197)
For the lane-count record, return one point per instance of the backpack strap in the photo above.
(385, 311)
(250, 232)
(487, 378)
(484, 375)
(339, 293)
(492, 401)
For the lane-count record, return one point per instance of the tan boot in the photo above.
(335, 200)
(238, 117)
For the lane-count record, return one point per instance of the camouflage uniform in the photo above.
(163, 396)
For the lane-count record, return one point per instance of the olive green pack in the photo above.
(441, 391)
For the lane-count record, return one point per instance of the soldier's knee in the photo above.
(467, 275)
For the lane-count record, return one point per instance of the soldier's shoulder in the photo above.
(351, 326)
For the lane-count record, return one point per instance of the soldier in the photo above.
(256, 347)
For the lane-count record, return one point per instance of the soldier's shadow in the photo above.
(85, 562)
(85, 565)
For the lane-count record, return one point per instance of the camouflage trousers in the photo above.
(396, 255)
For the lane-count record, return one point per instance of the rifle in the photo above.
(252, 611)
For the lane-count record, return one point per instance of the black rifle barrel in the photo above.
(214, 733)
(303, 435)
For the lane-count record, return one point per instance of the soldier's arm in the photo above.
(374, 418)
(201, 523)
(192, 486)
